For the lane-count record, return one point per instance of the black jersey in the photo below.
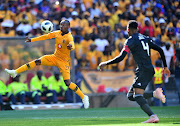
(139, 46)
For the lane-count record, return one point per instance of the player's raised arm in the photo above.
(117, 59)
(42, 37)
(157, 48)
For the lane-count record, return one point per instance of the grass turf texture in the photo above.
(169, 116)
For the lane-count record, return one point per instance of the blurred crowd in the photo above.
(98, 26)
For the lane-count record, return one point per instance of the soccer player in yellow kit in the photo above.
(60, 58)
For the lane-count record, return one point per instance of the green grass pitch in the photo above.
(169, 116)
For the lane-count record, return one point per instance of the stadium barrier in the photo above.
(42, 98)
(110, 100)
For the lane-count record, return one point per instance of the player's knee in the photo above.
(67, 82)
(38, 61)
(130, 96)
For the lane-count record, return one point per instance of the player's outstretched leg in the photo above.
(75, 88)
(159, 95)
(25, 67)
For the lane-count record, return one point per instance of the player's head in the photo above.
(132, 27)
(64, 26)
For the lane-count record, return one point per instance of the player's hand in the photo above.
(69, 46)
(101, 65)
(27, 39)
(167, 72)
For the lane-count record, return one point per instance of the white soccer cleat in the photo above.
(12, 73)
(85, 101)
(152, 119)
(159, 95)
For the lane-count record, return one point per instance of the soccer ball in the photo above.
(47, 26)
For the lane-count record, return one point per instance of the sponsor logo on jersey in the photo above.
(59, 46)
(139, 84)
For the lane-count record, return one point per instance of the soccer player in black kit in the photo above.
(140, 46)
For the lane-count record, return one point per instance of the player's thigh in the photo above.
(64, 68)
(48, 60)
(142, 79)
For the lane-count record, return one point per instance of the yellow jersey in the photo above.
(62, 41)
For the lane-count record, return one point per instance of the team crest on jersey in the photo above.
(59, 46)
(63, 41)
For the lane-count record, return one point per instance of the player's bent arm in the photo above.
(121, 56)
(157, 48)
(71, 42)
(73, 46)
(117, 59)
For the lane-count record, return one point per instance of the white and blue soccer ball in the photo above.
(47, 26)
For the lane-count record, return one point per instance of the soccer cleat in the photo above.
(152, 119)
(85, 101)
(12, 73)
(159, 95)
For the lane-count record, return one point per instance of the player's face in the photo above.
(64, 27)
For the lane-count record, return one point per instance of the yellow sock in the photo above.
(25, 67)
(76, 89)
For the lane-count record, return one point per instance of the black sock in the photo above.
(143, 104)
(148, 95)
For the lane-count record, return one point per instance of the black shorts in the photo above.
(142, 78)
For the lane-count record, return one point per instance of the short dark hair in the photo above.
(67, 22)
(132, 24)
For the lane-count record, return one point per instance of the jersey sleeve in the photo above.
(126, 48)
(44, 37)
(121, 56)
(71, 41)
(152, 45)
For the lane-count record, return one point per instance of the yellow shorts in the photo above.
(52, 60)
